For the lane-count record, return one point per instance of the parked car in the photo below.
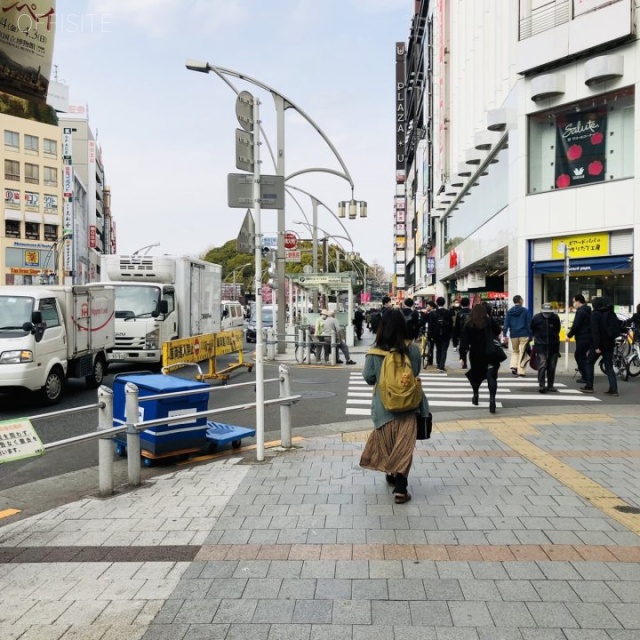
(268, 319)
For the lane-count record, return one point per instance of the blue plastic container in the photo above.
(164, 439)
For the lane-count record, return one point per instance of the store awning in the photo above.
(612, 264)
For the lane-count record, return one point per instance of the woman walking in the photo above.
(477, 336)
(390, 446)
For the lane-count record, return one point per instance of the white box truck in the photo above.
(160, 298)
(49, 334)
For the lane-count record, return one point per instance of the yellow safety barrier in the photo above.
(206, 347)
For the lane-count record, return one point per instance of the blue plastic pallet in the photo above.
(220, 433)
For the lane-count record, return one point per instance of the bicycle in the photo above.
(632, 360)
(424, 349)
(621, 351)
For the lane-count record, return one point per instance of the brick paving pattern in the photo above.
(515, 532)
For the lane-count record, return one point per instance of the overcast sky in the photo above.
(167, 134)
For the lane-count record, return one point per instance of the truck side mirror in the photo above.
(36, 317)
(163, 308)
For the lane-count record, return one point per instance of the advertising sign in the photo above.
(27, 32)
(67, 144)
(583, 246)
(18, 440)
(31, 200)
(32, 258)
(580, 148)
(51, 202)
(12, 198)
(67, 181)
(92, 236)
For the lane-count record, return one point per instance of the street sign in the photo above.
(307, 268)
(270, 241)
(244, 150)
(292, 255)
(290, 240)
(244, 110)
(328, 279)
(240, 191)
(246, 237)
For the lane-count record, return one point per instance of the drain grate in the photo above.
(625, 509)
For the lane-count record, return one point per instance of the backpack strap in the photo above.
(374, 351)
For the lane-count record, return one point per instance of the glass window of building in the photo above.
(12, 139)
(12, 228)
(51, 176)
(11, 170)
(31, 173)
(32, 230)
(50, 147)
(51, 232)
(587, 142)
(31, 143)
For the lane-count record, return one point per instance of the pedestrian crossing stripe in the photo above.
(455, 393)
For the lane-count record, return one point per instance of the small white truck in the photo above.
(158, 299)
(51, 333)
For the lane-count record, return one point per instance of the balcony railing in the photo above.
(544, 18)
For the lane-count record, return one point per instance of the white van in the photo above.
(232, 316)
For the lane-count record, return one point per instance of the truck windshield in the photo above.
(136, 302)
(14, 312)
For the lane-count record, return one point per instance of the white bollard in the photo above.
(334, 344)
(132, 416)
(307, 346)
(105, 445)
(271, 344)
(285, 409)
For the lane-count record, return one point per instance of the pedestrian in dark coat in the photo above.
(602, 344)
(545, 328)
(581, 331)
(476, 335)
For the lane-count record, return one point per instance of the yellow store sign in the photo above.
(584, 246)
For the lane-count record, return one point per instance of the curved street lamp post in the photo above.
(282, 103)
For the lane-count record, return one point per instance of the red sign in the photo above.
(92, 236)
(290, 240)
(196, 347)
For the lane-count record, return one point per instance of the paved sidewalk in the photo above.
(520, 528)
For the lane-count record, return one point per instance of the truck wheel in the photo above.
(121, 451)
(53, 386)
(236, 444)
(96, 377)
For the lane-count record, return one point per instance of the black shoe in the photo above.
(474, 400)
(350, 362)
(542, 390)
(339, 361)
(390, 479)
(581, 381)
(492, 406)
(611, 392)
(586, 389)
(552, 390)
(514, 371)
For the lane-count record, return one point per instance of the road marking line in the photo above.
(9, 512)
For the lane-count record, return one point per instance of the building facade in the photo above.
(527, 169)
(31, 236)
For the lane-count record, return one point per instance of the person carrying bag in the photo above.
(394, 364)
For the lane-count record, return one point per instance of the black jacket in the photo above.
(600, 339)
(546, 333)
(581, 327)
(440, 330)
(461, 318)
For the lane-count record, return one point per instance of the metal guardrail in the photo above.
(133, 426)
(303, 343)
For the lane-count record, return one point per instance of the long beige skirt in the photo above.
(390, 448)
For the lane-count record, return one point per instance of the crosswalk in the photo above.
(454, 392)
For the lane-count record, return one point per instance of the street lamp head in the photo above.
(197, 65)
(342, 210)
(363, 209)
